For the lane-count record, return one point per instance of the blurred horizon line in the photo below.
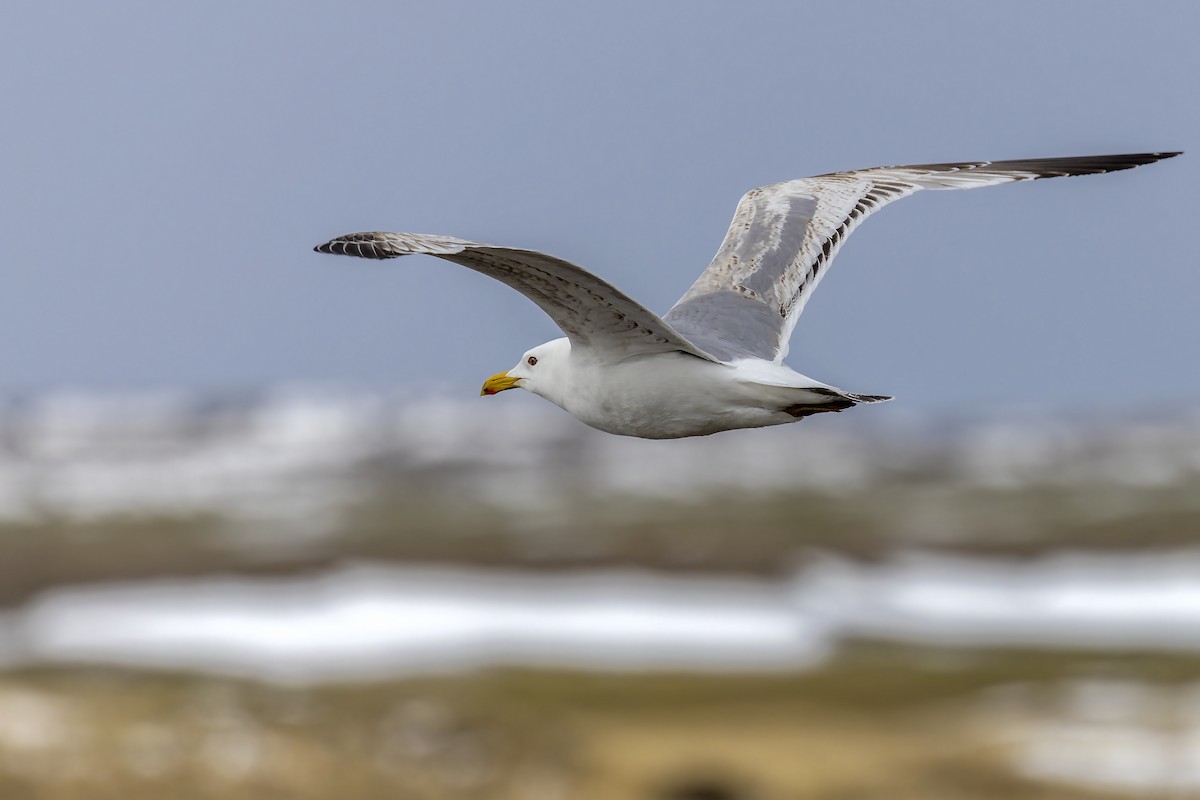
(89, 454)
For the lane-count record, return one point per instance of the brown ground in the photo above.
(879, 723)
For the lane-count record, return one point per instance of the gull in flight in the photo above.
(714, 362)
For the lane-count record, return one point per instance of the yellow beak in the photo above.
(498, 383)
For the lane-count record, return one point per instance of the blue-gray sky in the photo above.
(168, 168)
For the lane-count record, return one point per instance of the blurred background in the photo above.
(260, 538)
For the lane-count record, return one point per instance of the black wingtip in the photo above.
(1084, 165)
(1058, 167)
(1138, 159)
(1099, 164)
(360, 245)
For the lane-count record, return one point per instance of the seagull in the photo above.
(714, 362)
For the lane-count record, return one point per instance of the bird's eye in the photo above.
(531, 361)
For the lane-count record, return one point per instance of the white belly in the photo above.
(676, 395)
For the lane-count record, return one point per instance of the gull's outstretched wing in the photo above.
(594, 314)
(784, 236)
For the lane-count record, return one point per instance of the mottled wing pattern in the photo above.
(594, 314)
(784, 237)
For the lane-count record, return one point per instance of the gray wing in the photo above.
(594, 314)
(784, 237)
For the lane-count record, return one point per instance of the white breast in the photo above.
(662, 397)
